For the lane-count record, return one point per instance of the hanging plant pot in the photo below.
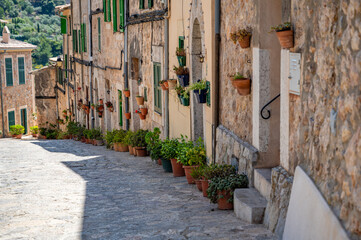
(101, 102)
(100, 114)
(223, 197)
(201, 95)
(178, 170)
(245, 41)
(140, 100)
(128, 115)
(141, 116)
(242, 85)
(127, 93)
(167, 165)
(144, 111)
(164, 88)
(111, 109)
(92, 106)
(100, 108)
(87, 111)
(141, 151)
(172, 84)
(285, 38)
(183, 80)
(185, 101)
(182, 60)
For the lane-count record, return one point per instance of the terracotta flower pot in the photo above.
(94, 142)
(131, 152)
(178, 170)
(127, 93)
(188, 170)
(243, 85)
(205, 185)
(35, 135)
(140, 100)
(101, 108)
(144, 111)
(128, 115)
(116, 147)
(141, 116)
(285, 38)
(83, 140)
(163, 87)
(199, 184)
(123, 147)
(18, 136)
(99, 142)
(223, 203)
(159, 161)
(141, 151)
(245, 42)
(101, 102)
(166, 84)
(111, 109)
(172, 84)
(92, 107)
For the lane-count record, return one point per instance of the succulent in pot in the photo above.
(284, 33)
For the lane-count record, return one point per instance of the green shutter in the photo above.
(120, 108)
(208, 97)
(121, 14)
(79, 40)
(75, 44)
(63, 25)
(157, 90)
(24, 120)
(66, 65)
(109, 13)
(60, 76)
(115, 19)
(141, 4)
(105, 10)
(11, 119)
(21, 70)
(83, 37)
(9, 71)
(181, 41)
(99, 36)
(150, 3)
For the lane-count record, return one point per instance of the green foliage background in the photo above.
(35, 22)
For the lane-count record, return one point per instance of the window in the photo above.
(142, 4)
(60, 75)
(99, 36)
(83, 37)
(157, 88)
(66, 64)
(9, 71)
(63, 25)
(121, 15)
(79, 40)
(21, 70)
(115, 22)
(24, 120)
(181, 41)
(11, 118)
(106, 10)
(75, 41)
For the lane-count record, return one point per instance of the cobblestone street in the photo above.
(69, 190)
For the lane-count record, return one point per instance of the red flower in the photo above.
(136, 111)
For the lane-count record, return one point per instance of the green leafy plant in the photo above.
(88, 134)
(183, 147)
(109, 138)
(96, 134)
(197, 154)
(119, 136)
(169, 148)
(109, 104)
(281, 27)
(199, 85)
(237, 76)
(180, 70)
(17, 130)
(139, 138)
(152, 138)
(218, 171)
(128, 139)
(244, 32)
(228, 183)
(34, 129)
(197, 173)
(180, 52)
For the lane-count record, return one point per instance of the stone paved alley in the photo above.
(69, 190)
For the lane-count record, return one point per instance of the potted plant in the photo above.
(144, 110)
(197, 175)
(169, 151)
(100, 110)
(127, 92)
(284, 34)
(182, 74)
(17, 131)
(34, 131)
(65, 113)
(119, 141)
(140, 143)
(164, 84)
(244, 36)
(200, 90)
(241, 83)
(109, 106)
(152, 138)
(101, 102)
(128, 139)
(181, 56)
(93, 106)
(185, 98)
(80, 104)
(172, 83)
(140, 100)
(128, 115)
(97, 137)
(141, 116)
(221, 189)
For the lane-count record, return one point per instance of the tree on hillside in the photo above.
(48, 7)
(42, 54)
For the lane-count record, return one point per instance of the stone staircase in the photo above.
(250, 203)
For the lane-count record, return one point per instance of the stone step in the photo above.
(249, 205)
(262, 181)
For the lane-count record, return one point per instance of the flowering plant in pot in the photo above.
(93, 106)
(143, 110)
(34, 131)
(109, 106)
(221, 189)
(182, 74)
(128, 139)
(200, 90)
(127, 92)
(164, 84)
(181, 56)
(17, 131)
(284, 33)
(241, 83)
(139, 142)
(168, 152)
(101, 102)
(242, 36)
(65, 113)
(141, 116)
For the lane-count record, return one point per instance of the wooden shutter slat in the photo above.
(121, 14)
(9, 71)
(21, 70)
(63, 25)
(115, 22)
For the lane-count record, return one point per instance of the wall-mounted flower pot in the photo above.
(100, 108)
(101, 102)
(285, 38)
(128, 115)
(201, 95)
(100, 114)
(183, 80)
(245, 41)
(144, 111)
(185, 101)
(181, 60)
(242, 85)
(141, 116)
(172, 84)
(140, 100)
(127, 93)
(167, 165)
(111, 109)
(164, 88)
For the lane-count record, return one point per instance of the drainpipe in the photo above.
(126, 80)
(215, 88)
(166, 71)
(90, 60)
(2, 104)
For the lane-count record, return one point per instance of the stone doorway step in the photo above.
(250, 203)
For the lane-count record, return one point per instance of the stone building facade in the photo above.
(17, 90)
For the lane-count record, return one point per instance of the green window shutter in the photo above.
(121, 14)
(9, 71)
(141, 4)
(60, 76)
(21, 70)
(63, 25)
(109, 13)
(150, 3)
(115, 19)
(120, 108)
(208, 97)
(99, 36)
(24, 120)
(79, 40)
(181, 41)
(75, 44)
(83, 39)
(11, 119)
(66, 64)
(157, 90)
(105, 10)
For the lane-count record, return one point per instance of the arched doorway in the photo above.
(196, 74)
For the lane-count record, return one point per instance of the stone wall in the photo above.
(325, 120)
(229, 146)
(235, 110)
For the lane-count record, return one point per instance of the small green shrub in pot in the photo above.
(119, 136)
(34, 129)
(152, 138)
(139, 138)
(128, 139)
(183, 147)
(96, 134)
(17, 130)
(197, 154)
(218, 171)
(169, 149)
(197, 173)
(109, 138)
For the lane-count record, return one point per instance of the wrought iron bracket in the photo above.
(269, 112)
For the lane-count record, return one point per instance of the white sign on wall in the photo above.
(295, 73)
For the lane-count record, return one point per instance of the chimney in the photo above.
(6, 35)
